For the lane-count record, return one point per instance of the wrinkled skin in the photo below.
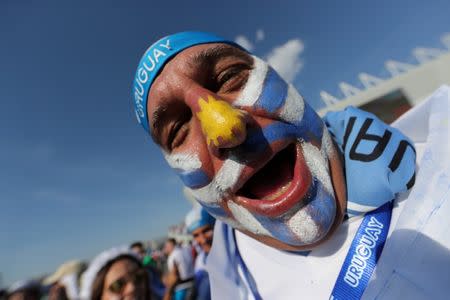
(247, 146)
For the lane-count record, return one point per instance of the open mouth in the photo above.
(279, 185)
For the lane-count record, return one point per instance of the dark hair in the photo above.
(2, 293)
(30, 293)
(172, 240)
(137, 244)
(97, 286)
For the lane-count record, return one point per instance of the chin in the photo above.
(295, 210)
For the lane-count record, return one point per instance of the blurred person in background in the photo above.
(2, 294)
(200, 224)
(116, 273)
(149, 264)
(24, 290)
(179, 279)
(138, 248)
(65, 282)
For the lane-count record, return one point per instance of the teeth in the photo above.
(278, 193)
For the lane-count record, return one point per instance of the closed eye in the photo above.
(232, 78)
(179, 129)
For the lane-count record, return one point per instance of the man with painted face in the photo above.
(279, 179)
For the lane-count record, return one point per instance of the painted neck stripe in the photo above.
(243, 216)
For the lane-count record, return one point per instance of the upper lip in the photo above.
(297, 190)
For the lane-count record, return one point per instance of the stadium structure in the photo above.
(408, 85)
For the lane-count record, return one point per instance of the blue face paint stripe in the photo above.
(321, 206)
(317, 202)
(311, 121)
(274, 92)
(279, 231)
(283, 233)
(194, 179)
(215, 211)
(257, 139)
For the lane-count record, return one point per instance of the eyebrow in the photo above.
(210, 56)
(158, 117)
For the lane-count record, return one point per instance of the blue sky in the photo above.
(77, 173)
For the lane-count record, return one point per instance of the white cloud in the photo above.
(285, 59)
(244, 42)
(260, 35)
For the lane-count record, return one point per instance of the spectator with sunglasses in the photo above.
(116, 273)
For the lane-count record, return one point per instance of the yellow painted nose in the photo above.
(223, 125)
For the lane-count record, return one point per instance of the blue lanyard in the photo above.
(363, 255)
(248, 277)
(359, 263)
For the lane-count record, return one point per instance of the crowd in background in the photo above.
(174, 270)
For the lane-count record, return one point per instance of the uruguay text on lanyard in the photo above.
(363, 255)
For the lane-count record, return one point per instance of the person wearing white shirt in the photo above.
(305, 205)
(180, 265)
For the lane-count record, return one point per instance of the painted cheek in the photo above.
(273, 92)
(189, 168)
(267, 94)
(311, 125)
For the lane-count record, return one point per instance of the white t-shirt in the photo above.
(415, 263)
(182, 257)
(200, 261)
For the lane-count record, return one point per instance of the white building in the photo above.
(409, 84)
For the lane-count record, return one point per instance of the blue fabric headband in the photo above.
(197, 218)
(156, 56)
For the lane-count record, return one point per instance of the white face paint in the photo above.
(294, 107)
(304, 227)
(287, 121)
(183, 161)
(254, 86)
(318, 165)
(249, 222)
(225, 180)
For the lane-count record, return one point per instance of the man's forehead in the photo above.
(199, 56)
(211, 53)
